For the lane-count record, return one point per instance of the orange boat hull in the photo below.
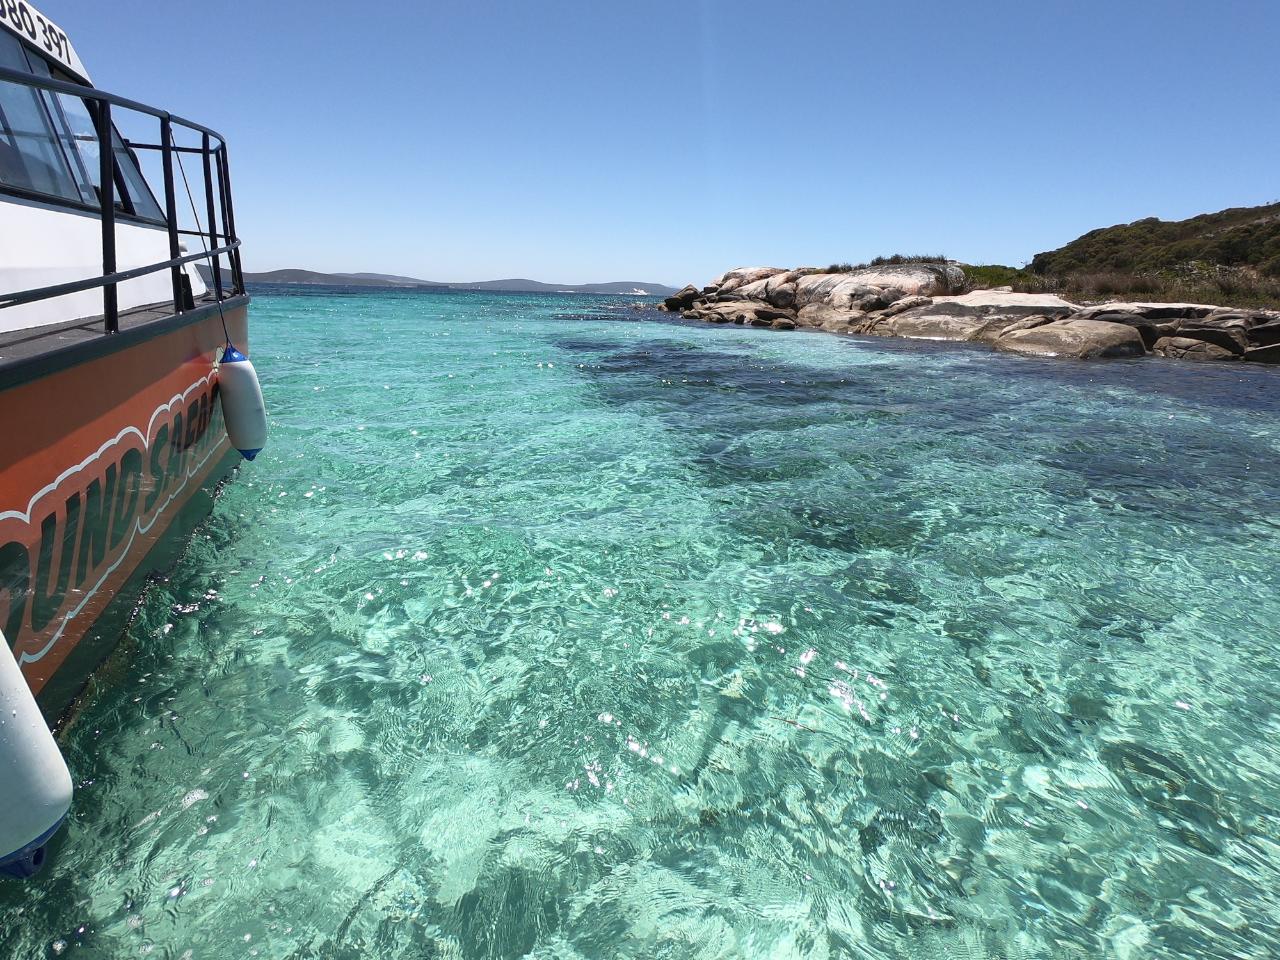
(108, 461)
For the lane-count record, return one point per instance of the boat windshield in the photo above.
(49, 145)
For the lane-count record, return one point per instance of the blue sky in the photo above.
(667, 141)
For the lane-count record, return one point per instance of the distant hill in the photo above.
(312, 277)
(535, 286)
(387, 278)
(1242, 237)
(334, 279)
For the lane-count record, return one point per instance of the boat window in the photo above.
(30, 157)
(70, 149)
(132, 191)
(49, 142)
(140, 195)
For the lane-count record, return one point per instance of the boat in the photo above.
(114, 439)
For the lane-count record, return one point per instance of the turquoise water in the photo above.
(543, 628)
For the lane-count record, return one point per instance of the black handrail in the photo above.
(78, 286)
(79, 90)
(102, 102)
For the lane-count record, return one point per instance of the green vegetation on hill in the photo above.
(1239, 237)
(1230, 257)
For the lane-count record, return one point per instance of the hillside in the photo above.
(333, 279)
(1242, 237)
(1232, 256)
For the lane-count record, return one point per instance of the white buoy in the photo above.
(243, 410)
(35, 784)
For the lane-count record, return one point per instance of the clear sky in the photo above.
(462, 140)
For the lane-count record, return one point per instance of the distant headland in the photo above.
(314, 278)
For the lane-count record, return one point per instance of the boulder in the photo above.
(772, 313)
(782, 294)
(906, 303)
(731, 311)
(923, 325)
(1228, 338)
(784, 323)
(1230, 317)
(1269, 354)
(780, 289)
(742, 276)
(831, 289)
(983, 314)
(996, 327)
(928, 279)
(682, 299)
(1150, 330)
(755, 290)
(1265, 334)
(827, 318)
(843, 290)
(1075, 338)
(1185, 348)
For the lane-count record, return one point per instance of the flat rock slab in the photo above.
(1075, 338)
(917, 325)
(1152, 311)
(1000, 300)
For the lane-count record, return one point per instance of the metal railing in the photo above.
(219, 243)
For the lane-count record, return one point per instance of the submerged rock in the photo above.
(828, 318)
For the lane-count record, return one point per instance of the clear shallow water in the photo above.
(539, 630)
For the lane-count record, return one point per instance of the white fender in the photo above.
(243, 409)
(35, 784)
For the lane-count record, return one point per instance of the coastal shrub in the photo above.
(1190, 283)
(986, 276)
(897, 259)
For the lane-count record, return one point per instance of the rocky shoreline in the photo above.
(931, 302)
